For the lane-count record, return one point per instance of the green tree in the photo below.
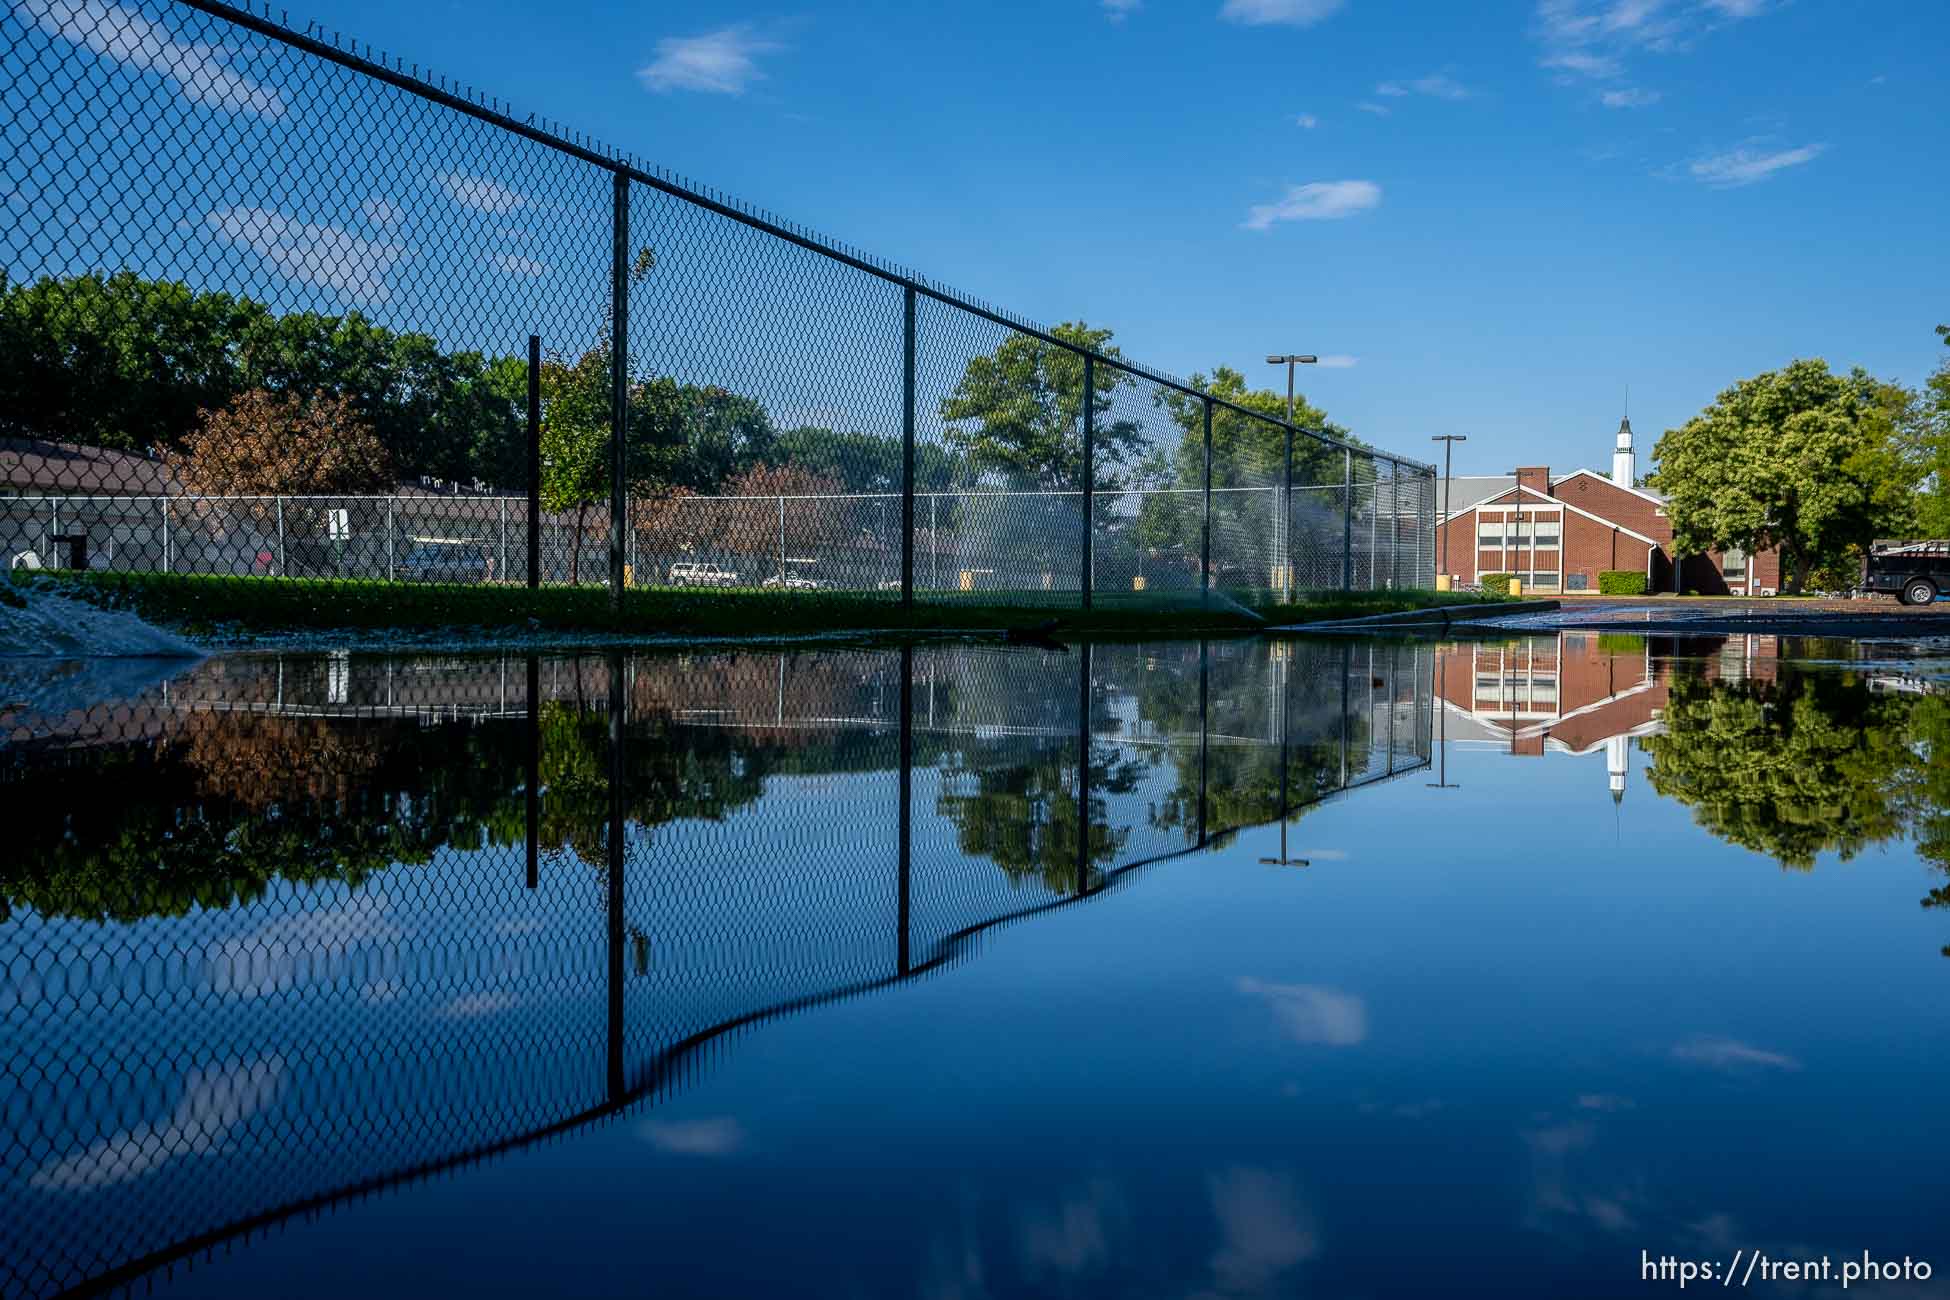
(1783, 459)
(1806, 764)
(1017, 413)
(1927, 438)
(116, 361)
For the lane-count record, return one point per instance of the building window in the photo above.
(1734, 563)
(1489, 533)
(1575, 581)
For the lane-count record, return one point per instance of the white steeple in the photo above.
(1617, 750)
(1622, 472)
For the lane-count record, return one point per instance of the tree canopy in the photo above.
(1789, 458)
(1017, 413)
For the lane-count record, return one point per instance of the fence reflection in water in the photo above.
(354, 920)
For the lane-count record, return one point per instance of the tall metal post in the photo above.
(1205, 529)
(1083, 768)
(1286, 496)
(534, 461)
(619, 378)
(907, 471)
(1347, 519)
(534, 770)
(283, 569)
(618, 858)
(904, 920)
(501, 564)
(1089, 471)
(391, 532)
(1204, 727)
(165, 532)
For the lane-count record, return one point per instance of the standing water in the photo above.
(1226, 969)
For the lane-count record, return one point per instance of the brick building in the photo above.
(1559, 532)
(1580, 693)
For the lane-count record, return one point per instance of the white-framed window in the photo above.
(1734, 563)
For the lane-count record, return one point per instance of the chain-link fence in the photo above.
(279, 306)
(353, 920)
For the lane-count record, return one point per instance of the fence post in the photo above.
(618, 860)
(1347, 519)
(781, 541)
(1089, 471)
(619, 379)
(1205, 529)
(534, 777)
(1286, 517)
(165, 531)
(934, 541)
(1083, 768)
(389, 537)
(904, 917)
(534, 461)
(501, 566)
(907, 482)
(1374, 525)
(284, 570)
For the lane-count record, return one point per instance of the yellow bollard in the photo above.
(968, 580)
(1442, 582)
(1516, 586)
(1137, 584)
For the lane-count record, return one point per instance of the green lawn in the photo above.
(200, 604)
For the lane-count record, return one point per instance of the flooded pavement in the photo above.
(1230, 968)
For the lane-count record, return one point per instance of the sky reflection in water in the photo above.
(1600, 945)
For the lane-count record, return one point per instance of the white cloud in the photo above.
(1630, 97)
(216, 1099)
(1264, 1231)
(522, 266)
(1744, 166)
(1604, 1101)
(1118, 10)
(1435, 86)
(310, 252)
(1307, 120)
(1313, 1013)
(1332, 361)
(1289, 13)
(1319, 201)
(723, 62)
(1731, 1054)
(718, 1136)
(1369, 106)
(479, 192)
(1076, 1239)
(380, 212)
(201, 72)
(1595, 38)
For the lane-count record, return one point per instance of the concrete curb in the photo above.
(1439, 616)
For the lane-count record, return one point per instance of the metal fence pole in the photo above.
(389, 537)
(1347, 519)
(618, 861)
(1089, 471)
(534, 461)
(904, 918)
(501, 566)
(283, 569)
(934, 541)
(781, 539)
(907, 478)
(534, 776)
(619, 378)
(1205, 529)
(1083, 768)
(165, 533)
(1374, 523)
(1286, 516)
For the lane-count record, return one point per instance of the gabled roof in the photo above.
(1653, 497)
(1554, 501)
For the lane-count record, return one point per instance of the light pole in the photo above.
(1448, 441)
(1286, 482)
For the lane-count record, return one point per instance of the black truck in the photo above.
(1917, 572)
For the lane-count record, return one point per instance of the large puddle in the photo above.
(964, 971)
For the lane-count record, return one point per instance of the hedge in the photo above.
(1621, 582)
(1496, 584)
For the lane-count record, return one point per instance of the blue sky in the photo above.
(1496, 216)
